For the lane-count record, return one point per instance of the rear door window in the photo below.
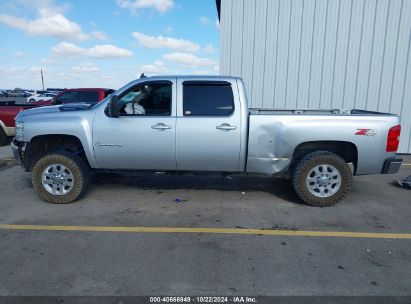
(204, 98)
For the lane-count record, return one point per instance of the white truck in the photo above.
(202, 124)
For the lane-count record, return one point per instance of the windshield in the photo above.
(98, 104)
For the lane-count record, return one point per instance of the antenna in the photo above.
(143, 76)
(42, 80)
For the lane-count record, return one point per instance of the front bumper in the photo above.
(19, 149)
(391, 165)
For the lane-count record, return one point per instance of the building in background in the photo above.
(321, 54)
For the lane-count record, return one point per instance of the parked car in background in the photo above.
(9, 109)
(17, 92)
(43, 92)
(14, 93)
(4, 93)
(41, 97)
(82, 95)
(203, 124)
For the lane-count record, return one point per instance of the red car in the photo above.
(9, 109)
(85, 95)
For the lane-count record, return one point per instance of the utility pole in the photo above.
(42, 80)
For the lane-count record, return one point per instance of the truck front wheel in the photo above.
(322, 179)
(60, 178)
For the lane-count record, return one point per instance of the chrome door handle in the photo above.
(226, 127)
(160, 126)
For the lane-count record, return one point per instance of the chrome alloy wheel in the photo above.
(323, 180)
(57, 179)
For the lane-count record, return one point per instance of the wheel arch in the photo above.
(345, 149)
(41, 145)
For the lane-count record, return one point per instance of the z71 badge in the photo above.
(366, 132)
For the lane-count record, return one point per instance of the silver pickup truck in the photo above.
(202, 124)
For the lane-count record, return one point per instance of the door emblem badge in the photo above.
(109, 145)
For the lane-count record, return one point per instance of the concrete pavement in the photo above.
(5, 155)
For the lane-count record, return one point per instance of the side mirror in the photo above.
(113, 106)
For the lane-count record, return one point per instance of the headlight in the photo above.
(19, 131)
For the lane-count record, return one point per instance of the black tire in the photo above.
(4, 140)
(305, 166)
(79, 171)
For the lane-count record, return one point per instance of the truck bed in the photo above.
(257, 111)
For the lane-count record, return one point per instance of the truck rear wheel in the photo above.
(60, 178)
(322, 179)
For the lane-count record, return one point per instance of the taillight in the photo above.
(393, 139)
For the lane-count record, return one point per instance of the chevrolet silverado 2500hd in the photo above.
(202, 124)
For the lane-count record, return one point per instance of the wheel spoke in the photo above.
(332, 190)
(334, 173)
(311, 179)
(54, 188)
(68, 183)
(336, 180)
(47, 176)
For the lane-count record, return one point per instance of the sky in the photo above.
(104, 43)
